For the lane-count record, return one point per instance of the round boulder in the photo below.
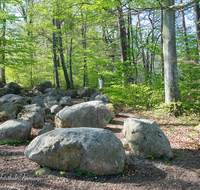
(14, 130)
(98, 151)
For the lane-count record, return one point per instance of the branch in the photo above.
(180, 7)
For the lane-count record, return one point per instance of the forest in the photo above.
(145, 131)
(147, 52)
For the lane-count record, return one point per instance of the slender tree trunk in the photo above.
(197, 23)
(55, 56)
(122, 35)
(185, 32)
(84, 47)
(172, 94)
(123, 43)
(141, 44)
(133, 56)
(129, 34)
(70, 63)
(162, 58)
(152, 39)
(62, 57)
(3, 74)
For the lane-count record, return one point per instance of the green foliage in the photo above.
(150, 157)
(111, 120)
(15, 143)
(37, 172)
(136, 96)
(80, 172)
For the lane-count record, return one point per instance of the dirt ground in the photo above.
(183, 172)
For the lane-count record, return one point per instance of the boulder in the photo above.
(55, 109)
(89, 114)
(9, 111)
(92, 98)
(43, 86)
(36, 92)
(34, 114)
(13, 98)
(14, 86)
(102, 98)
(66, 101)
(47, 127)
(98, 151)
(48, 90)
(86, 92)
(49, 99)
(4, 91)
(72, 92)
(146, 138)
(14, 130)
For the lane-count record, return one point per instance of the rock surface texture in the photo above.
(43, 86)
(13, 130)
(34, 114)
(98, 151)
(86, 92)
(89, 114)
(102, 98)
(49, 99)
(13, 98)
(9, 111)
(4, 91)
(47, 127)
(14, 86)
(66, 101)
(146, 138)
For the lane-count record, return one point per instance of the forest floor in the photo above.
(183, 172)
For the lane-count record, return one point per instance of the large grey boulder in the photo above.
(14, 86)
(72, 92)
(13, 98)
(66, 101)
(98, 151)
(43, 86)
(34, 114)
(4, 91)
(86, 92)
(88, 114)
(47, 127)
(9, 111)
(14, 130)
(146, 138)
(102, 98)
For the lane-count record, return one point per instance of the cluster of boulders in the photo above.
(79, 139)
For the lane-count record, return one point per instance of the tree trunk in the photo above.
(172, 94)
(185, 32)
(197, 23)
(162, 58)
(122, 35)
(141, 44)
(62, 57)
(123, 43)
(70, 63)
(3, 75)
(84, 47)
(55, 56)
